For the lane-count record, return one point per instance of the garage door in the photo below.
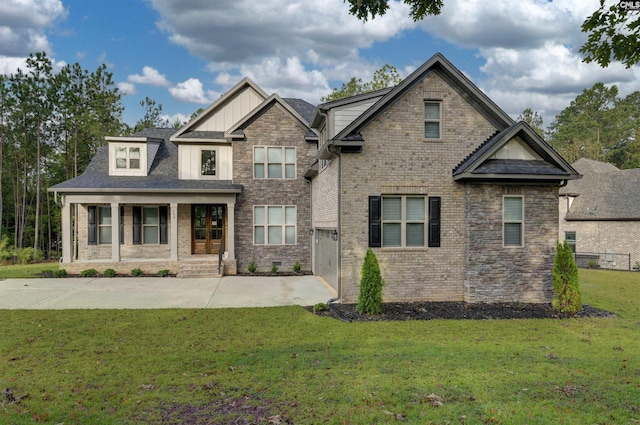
(327, 257)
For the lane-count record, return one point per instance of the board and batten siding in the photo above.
(190, 157)
(232, 111)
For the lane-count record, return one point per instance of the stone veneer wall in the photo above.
(274, 127)
(495, 273)
(396, 159)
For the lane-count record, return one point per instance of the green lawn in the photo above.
(26, 270)
(285, 365)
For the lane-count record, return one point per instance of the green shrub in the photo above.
(28, 255)
(320, 307)
(274, 269)
(136, 272)
(592, 264)
(565, 281)
(88, 273)
(163, 273)
(297, 267)
(46, 273)
(371, 283)
(252, 267)
(5, 252)
(60, 273)
(109, 273)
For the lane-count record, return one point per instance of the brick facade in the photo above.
(274, 127)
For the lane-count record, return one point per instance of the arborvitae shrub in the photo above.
(565, 281)
(370, 300)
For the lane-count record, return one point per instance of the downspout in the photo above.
(336, 312)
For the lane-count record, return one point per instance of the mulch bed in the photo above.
(457, 311)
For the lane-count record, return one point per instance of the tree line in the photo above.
(51, 125)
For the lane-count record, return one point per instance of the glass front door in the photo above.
(207, 228)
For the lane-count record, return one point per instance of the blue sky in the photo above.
(185, 53)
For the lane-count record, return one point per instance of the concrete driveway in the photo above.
(164, 292)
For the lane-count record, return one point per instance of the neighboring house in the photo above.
(229, 182)
(458, 202)
(600, 215)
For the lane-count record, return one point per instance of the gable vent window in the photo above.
(128, 158)
(432, 120)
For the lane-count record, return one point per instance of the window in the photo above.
(207, 162)
(274, 225)
(270, 162)
(570, 237)
(150, 225)
(127, 157)
(99, 223)
(403, 221)
(431, 120)
(513, 218)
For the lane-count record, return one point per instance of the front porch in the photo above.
(188, 236)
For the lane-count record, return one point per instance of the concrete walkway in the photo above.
(165, 292)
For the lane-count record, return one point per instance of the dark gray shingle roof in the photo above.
(604, 192)
(163, 175)
(302, 107)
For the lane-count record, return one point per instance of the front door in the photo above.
(207, 222)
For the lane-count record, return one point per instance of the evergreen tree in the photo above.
(565, 281)
(370, 300)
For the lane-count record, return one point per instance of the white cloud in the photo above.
(127, 88)
(149, 76)
(191, 91)
(171, 119)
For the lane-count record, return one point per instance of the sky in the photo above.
(185, 53)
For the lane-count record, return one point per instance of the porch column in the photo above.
(67, 240)
(115, 232)
(174, 231)
(231, 231)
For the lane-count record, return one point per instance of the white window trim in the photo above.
(143, 225)
(521, 221)
(283, 163)
(128, 158)
(99, 226)
(284, 225)
(439, 120)
(403, 222)
(217, 169)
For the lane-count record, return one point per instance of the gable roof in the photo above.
(292, 106)
(605, 193)
(480, 165)
(162, 176)
(321, 110)
(437, 63)
(229, 94)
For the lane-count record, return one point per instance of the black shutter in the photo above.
(121, 225)
(162, 212)
(375, 223)
(137, 225)
(93, 229)
(434, 221)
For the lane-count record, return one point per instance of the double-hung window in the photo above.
(513, 220)
(150, 225)
(104, 225)
(274, 224)
(403, 221)
(570, 238)
(431, 120)
(274, 162)
(208, 162)
(128, 157)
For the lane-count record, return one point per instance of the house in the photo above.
(600, 215)
(229, 183)
(458, 201)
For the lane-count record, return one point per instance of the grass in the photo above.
(287, 365)
(26, 270)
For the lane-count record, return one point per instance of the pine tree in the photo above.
(370, 300)
(565, 281)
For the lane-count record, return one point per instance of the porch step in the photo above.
(196, 269)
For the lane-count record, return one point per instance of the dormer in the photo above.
(131, 156)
